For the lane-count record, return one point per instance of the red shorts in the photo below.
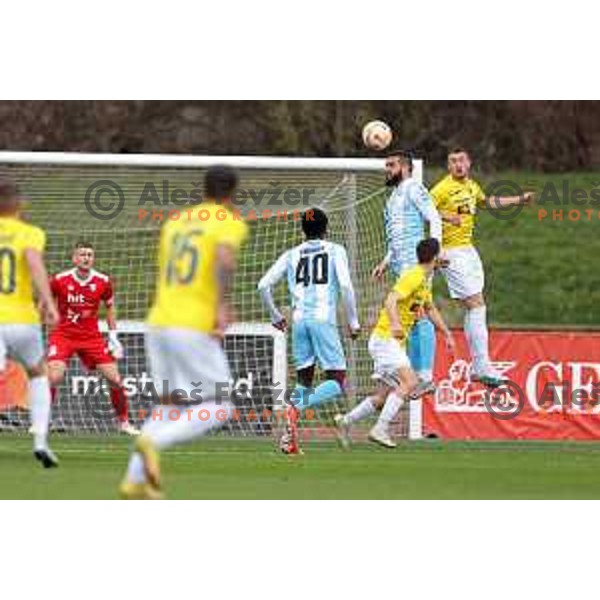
(91, 350)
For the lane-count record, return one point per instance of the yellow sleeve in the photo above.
(429, 296)
(408, 283)
(479, 194)
(232, 234)
(34, 238)
(437, 193)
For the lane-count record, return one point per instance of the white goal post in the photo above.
(118, 202)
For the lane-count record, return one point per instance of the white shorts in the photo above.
(388, 356)
(187, 360)
(464, 274)
(23, 343)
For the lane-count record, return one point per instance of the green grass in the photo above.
(217, 468)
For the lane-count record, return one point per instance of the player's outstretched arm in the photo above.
(435, 316)
(379, 271)
(391, 306)
(265, 288)
(502, 201)
(39, 277)
(347, 290)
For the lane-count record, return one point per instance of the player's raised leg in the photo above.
(178, 358)
(465, 277)
(476, 332)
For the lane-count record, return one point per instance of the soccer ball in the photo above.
(377, 135)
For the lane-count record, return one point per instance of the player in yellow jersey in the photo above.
(409, 300)
(457, 198)
(186, 324)
(22, 272)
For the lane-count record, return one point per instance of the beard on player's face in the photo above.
(393, 179)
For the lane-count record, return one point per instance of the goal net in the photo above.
(119, 202)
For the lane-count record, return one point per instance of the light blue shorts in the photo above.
(316, 342)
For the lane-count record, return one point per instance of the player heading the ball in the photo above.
(408, 211)
(316, 272)
(458, 197)
(23, 272)
(79, 293)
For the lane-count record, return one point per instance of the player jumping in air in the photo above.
(407, 210)
(191, 310)
(316, 272)
(79, 292)
(22, 270)
(457, 198)
(408, 301)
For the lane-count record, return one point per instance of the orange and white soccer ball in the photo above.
(377, 135)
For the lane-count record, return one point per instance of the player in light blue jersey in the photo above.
(407, 210)
(317, 273)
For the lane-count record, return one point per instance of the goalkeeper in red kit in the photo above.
(79, 293)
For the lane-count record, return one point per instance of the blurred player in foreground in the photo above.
(79, 292)
(22, 270)
(457, 197)
(407, 210)
(316, 272)
(197, 261)
(409, 300)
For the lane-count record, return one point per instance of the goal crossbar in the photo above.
(190, 161)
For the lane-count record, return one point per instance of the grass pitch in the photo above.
(219, 468)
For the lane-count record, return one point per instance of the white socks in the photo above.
(39, 389)
(476, 333)
(425, 375)
(366, 408)
(390, 410)
(361, 411)
(193, 422)
(171, 425)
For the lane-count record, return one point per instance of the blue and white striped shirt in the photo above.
(406, 211)
(317, 272)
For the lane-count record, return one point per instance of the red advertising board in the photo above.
(14, 389)
(554, 394)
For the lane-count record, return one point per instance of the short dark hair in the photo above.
(405, 156)
(427, 250)
(220, 182)
(9, 192)
(83, 244)
(314, 223)
(458, 150)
